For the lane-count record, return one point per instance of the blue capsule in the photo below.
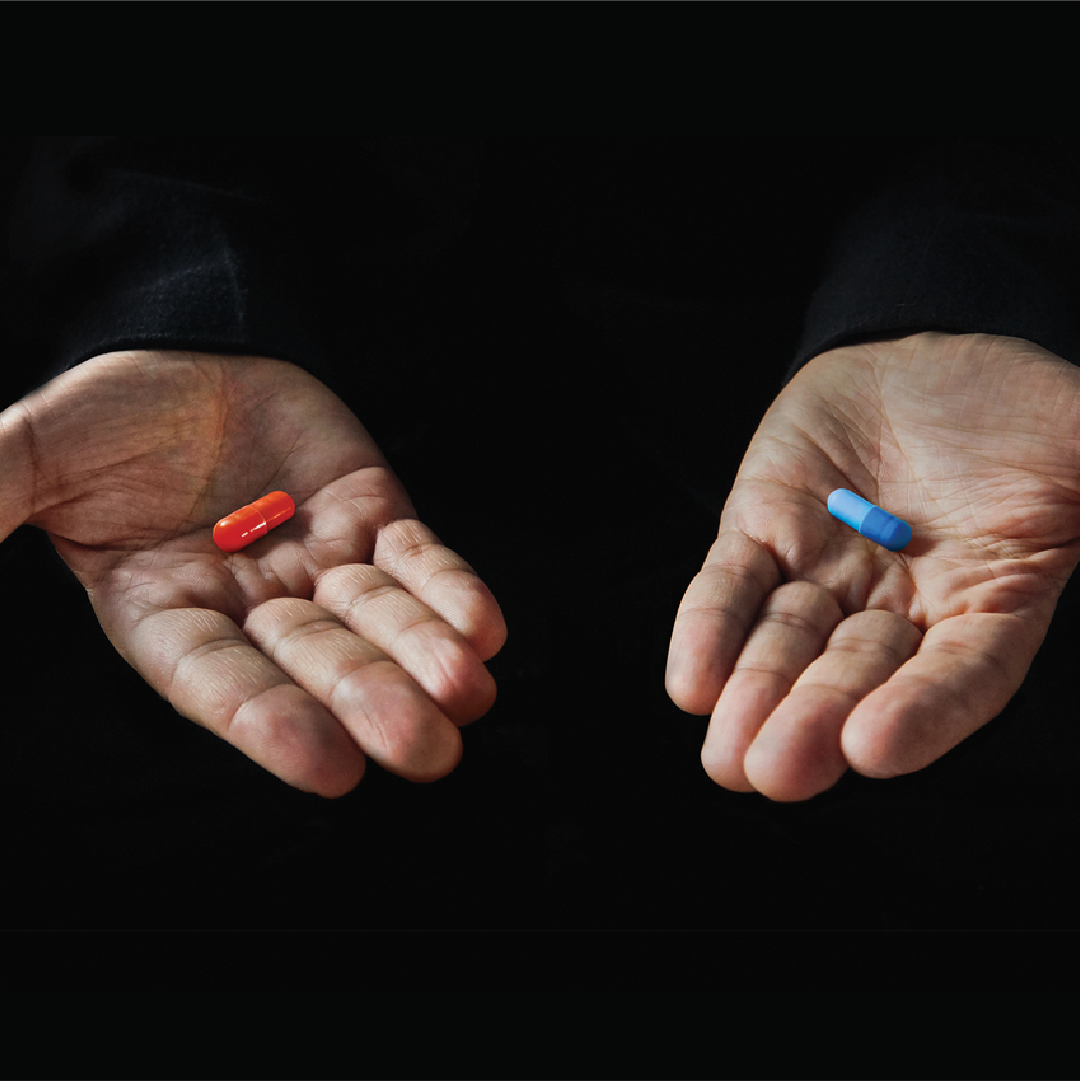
(872, 522)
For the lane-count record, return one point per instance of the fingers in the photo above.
(714, 618)
(798, 751)
(395, 674)
(374, 606)
(964, 674)
(414, 556)
(813, 693)
(202, 663)
(305, 697)
(309, 688)
(377, 703)
(789, 635)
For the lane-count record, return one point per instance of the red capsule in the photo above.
(239, 529)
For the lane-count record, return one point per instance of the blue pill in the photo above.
(872, 522)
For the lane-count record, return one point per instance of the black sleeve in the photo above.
(233, 246)
(976, 237)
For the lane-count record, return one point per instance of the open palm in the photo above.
(349, 631)
(815, 649)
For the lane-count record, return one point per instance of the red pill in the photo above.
(239, 529)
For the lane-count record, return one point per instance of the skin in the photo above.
(349, 632)
(815, 650)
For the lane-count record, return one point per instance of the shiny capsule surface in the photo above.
(869, 520)
(239, 529)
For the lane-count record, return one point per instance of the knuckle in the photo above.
(803, 605)
(391, 718)
(275, 617)
(408, 548)
(448, 671)
(795, 621)
(349, 579)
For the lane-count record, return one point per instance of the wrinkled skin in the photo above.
(351, 632)
(348, 632)
(814, 649)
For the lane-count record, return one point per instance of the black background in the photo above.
(576, 424)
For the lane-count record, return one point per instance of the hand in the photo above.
(815, 649)
(347, 631)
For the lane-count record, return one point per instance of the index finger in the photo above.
(714, 618)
